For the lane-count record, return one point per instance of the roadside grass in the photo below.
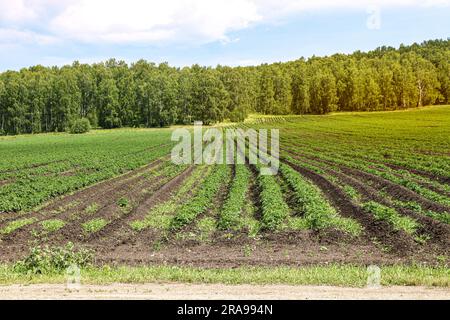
(335, 275)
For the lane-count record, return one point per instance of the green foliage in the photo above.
(114, 94)
(80, 126)
(390, 215)
(16, 224)
(36, 165)
(123, 202)
(233, 206)
(54, 260)
(52, 225)
(92, 208)
(316, 210)
(202, 200)
(416, 207)
(274, 208)
(160, 216)
(94, 225)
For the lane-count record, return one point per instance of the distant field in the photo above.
(353, 188)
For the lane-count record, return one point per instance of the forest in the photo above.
(114, 94)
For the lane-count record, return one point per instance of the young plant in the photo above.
(391, 215)
(233, 206)
(94, 225)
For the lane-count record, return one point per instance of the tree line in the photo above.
(114, 94)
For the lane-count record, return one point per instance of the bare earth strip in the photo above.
(217, 291)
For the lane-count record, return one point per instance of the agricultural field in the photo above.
(352, 188)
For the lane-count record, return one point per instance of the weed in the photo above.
(48, 260)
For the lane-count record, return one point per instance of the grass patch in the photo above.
(336, 275)
(158, 218)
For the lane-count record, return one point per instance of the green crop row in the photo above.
(16, 224)
(407, 183)
(316, 210)
(230, 214)
(35, 169)
(274, 208)
(160, 216)
(390, 215)
(416, 207)
(203, 200)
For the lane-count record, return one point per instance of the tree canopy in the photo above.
(114, 94)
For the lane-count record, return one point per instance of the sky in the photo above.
(208, 32)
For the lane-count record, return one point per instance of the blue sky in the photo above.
(232, 32)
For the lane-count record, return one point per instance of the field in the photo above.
(353, 188)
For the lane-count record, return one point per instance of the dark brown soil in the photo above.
(422, 173)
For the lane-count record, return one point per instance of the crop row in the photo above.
(316, 210)
(161, 215)
(203, 200)
(413, 186)
(390, 215)
(233, 206)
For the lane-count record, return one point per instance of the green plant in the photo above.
(49, 260)
(422, 238)
(233, 206)
(92, 208)
(206, 226)
(316, 210)
(52, 225)
(390, 215)
(202, 200)
(17, 224)
(123, 202)
(80, 126)
(94, 225)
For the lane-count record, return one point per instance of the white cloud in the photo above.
(150, 21)
(159, 21)
(13, 36)
(15, 10)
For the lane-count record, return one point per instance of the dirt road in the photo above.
(216, 291)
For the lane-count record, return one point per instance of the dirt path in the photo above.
(217, 291)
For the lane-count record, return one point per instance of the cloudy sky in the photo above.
(208, 32)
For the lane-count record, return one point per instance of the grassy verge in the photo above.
(336, 275)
